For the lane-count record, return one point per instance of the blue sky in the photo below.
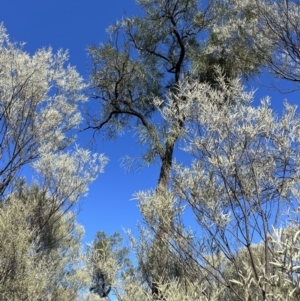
(73, 25)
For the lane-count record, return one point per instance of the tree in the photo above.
(243, 182)
(40, 251)
(243, 191)
(39, 98)
(145, 59)
(107, 261)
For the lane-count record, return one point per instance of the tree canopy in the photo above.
(223, 225)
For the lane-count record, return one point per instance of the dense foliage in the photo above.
(40, 243)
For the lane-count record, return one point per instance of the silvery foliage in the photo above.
(41, 256)
(242, 184)
(67, 174)
(244, 177)
(242, 188)
(40, 243)
(245, 156)
(39, 99)
(283, 281)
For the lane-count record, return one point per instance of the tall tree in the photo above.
(242, 190)
(145, 59)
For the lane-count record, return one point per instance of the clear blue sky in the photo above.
(73, 25)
